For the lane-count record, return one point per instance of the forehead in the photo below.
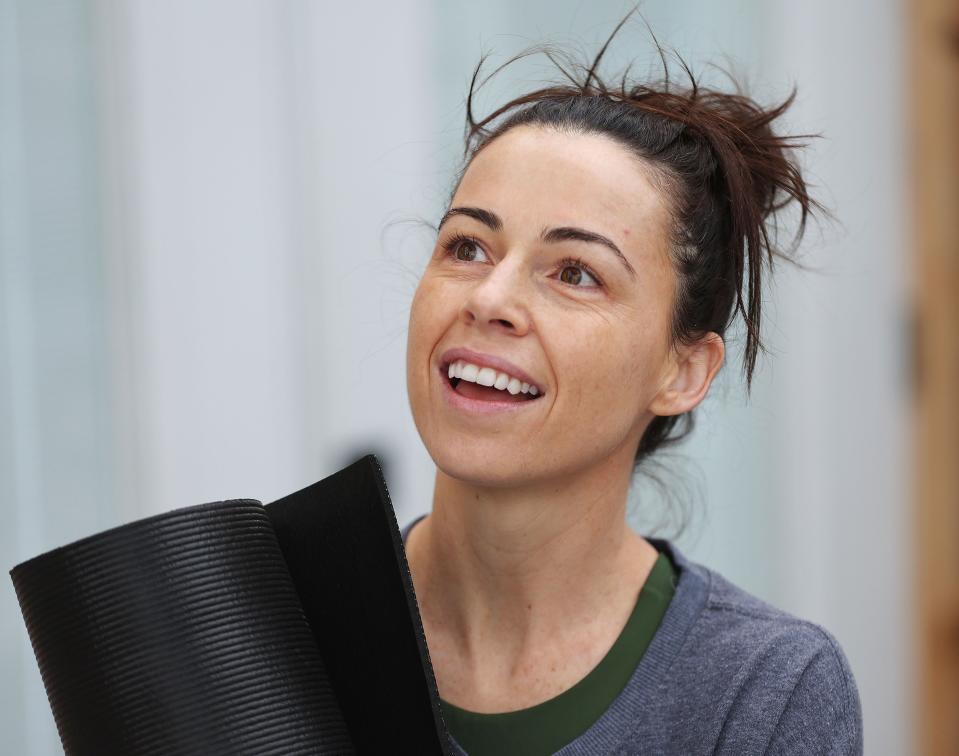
(536, 175)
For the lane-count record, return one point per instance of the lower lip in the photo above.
(479, 406)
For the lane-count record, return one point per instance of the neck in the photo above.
(502, 572)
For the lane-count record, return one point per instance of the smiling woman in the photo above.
(596, 246)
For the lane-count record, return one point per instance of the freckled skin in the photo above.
(528, 509)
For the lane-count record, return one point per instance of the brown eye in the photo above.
(576, 272)
(575, 276)
(465, 250)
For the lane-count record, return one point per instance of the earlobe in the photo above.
(693, 370)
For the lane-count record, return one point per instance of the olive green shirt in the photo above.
(546, 727)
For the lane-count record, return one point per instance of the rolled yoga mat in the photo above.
(234, 628)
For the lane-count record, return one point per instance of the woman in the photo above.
(597, 244)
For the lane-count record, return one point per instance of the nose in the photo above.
(499, 299)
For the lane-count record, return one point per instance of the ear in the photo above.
(691, 372)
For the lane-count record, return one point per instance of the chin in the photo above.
(472, 464)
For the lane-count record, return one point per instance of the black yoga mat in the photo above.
(234, 628)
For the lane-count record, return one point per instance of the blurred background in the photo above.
(212, 219)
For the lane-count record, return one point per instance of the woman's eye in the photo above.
(573, 271)
(464, 249)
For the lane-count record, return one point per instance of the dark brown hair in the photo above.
(726, 172)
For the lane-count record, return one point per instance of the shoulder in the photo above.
(778, 683)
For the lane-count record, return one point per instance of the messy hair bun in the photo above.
(726, 172)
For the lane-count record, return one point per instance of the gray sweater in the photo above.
(727, 673)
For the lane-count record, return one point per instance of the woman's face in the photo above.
(593, 337)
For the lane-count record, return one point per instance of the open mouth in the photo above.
(476, 391)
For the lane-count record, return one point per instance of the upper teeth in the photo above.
(486, 376)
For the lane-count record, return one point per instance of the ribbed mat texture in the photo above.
(179, 634)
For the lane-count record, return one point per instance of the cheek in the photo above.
(418, 333)
(429, 313)
(609, 364)
(432, 311)
(645, 339)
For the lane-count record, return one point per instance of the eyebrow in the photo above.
(564, 233)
